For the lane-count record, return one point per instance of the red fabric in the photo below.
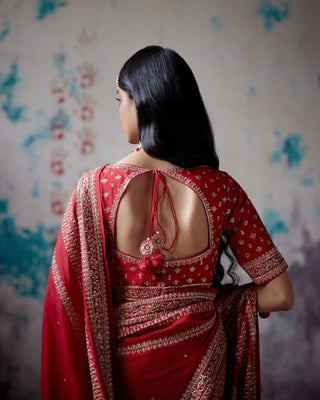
(78, 330)
(136, 334)
(229, 211)
(65, 368)
(176, 358)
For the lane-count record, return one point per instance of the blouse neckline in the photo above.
(193, 186)
(137, 167)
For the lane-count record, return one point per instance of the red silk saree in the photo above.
(105, 337)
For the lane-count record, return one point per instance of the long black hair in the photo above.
(173, 123)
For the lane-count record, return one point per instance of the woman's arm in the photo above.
(276, 295)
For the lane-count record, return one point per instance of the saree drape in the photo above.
(183, 343)
(78, 329)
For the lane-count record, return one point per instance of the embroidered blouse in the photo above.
(229, 211)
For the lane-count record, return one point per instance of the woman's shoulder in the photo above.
(118, 173)
(105, 168)
(211, 180)
(204, 172)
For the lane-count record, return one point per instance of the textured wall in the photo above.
(257, 63)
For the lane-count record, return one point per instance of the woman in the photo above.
(134, 306)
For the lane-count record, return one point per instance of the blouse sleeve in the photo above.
(248, 237)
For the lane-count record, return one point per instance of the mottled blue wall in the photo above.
(257, 63)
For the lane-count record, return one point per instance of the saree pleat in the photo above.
(237, 307)
(183, 336)
(203, 345)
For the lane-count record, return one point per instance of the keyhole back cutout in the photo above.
(190, 238)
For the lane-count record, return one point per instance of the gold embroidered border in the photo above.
(209, 378)
(70, 235)
(97, 391)
(164, 318)
(66, 302)
(166, 340)
(95, 283)
(164, 303)
(141, 169)
(115, 204)
(187, 181)
(250, 390)
(133, 293)
(147, 312)
(272, 262)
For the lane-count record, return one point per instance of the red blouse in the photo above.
(229, 211)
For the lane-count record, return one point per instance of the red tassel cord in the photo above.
(150, 248)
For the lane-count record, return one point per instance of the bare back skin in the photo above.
(133, 213)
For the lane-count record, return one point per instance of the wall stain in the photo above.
(25, 255)
(272, 14)
(8, 84)
(47, 7)
(114, 3)
(59, 124)
(292, 82)
(69, 76)
(215, 23)
(56, 129)
(4, 28)
(4, 206)
(307, 181)
(35, 190)
(291, 150)
(30, 145)
(59, 60)
(252, 93)
(274, 223)
(35, 137)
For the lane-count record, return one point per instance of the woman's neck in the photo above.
(141, 159)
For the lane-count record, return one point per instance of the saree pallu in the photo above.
(190, 342)
(77, 358)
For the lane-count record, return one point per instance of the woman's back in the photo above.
(180, 211)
